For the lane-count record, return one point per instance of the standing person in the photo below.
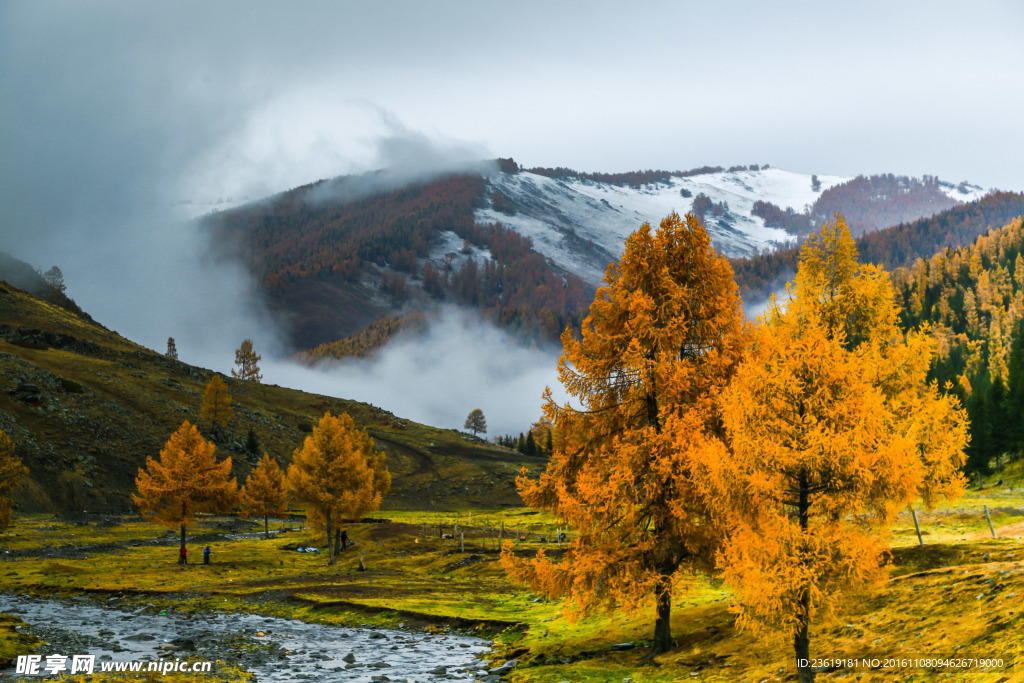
(183, 556)
(206, 555)
(344, 540)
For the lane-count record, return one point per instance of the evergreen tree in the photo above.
(979, 449)
(531, 445)
(252, 442)
(1015, 394)
(998, 421)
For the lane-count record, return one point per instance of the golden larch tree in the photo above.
(12, 472)
(216, 406)
(337, 475)
(264, 492)
(832, 428)
(185, 480)
(247, 363)
(663, 336)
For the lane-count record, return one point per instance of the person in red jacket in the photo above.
(183, 556)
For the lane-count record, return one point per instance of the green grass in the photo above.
(944, 598)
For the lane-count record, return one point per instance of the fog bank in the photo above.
(460, 364)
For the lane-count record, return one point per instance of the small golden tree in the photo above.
(12, 471)
(833, 428)
(247, 362)
(187, 479)
(337, 474)
(263, 494)
(216, 406)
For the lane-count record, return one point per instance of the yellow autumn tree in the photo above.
(264, 492)
(12, 471)
(663, 337)
(216, 406)
(337, 475)
(832, 429)
(185, 480)
(247, 362)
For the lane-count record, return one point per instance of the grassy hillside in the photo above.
(86, 406)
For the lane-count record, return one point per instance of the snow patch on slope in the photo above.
(964, 192)
(582, 225)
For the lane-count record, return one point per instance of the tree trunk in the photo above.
(663, 620)
(266, 526)
(330, 541)
(182, 534)
(802, 646)
(802, 637)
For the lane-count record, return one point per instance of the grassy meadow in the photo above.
(958, 595)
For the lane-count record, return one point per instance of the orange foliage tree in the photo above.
(832, 429)
(337, 474)
(187, 479)
(248, 362)
(263, 494)
(663, 336)
(216, 406)
(11, 474)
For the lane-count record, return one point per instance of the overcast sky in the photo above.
(113, 113)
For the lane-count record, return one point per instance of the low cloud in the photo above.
(307, 135)
(460, 364)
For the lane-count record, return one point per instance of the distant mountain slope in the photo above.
(582, 224)
(86, 407)
(526, 248)
(871, 203)
(331, 265)
(581, 220)
(892, 247)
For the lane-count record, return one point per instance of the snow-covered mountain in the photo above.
(338, 256)
(582, 224)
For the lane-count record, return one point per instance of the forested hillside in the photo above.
(331, 266)
(527, 248)
(973, 298)
(892, 247)
(366, 341)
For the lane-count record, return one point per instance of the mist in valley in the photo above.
(438, 377)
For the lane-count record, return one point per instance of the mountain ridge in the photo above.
(526, 248)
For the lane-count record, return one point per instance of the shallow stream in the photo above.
(273, 648)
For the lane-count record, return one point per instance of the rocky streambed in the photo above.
(273, 648)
